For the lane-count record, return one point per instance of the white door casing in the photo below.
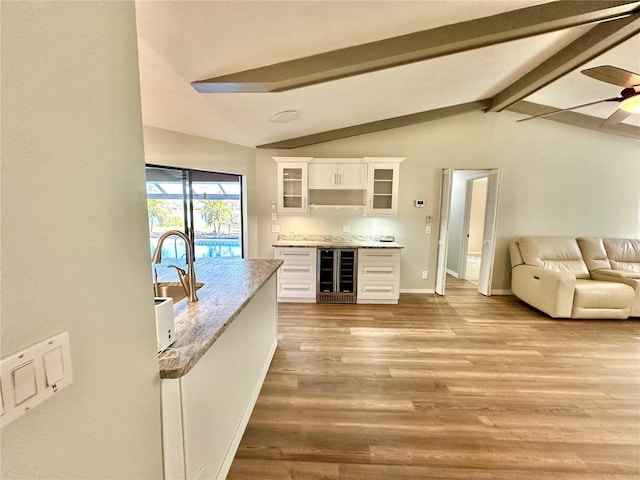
(489, 233)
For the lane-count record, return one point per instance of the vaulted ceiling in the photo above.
(225, 69)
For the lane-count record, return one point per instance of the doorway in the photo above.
(466, 242)
(475, 208)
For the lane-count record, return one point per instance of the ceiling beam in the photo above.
(418, 46)
(596, 41)
(387, 124)
(575, 119)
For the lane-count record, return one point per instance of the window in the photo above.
(207, 206)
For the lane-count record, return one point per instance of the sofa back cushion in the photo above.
(623, 253)
(560, 254)
(594, 253)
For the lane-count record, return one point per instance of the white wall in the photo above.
(74, 239)
(476, 215)
(556, 180)
(169, 148)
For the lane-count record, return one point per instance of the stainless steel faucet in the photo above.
(188, 279)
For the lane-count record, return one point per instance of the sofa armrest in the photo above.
(614, 274)
(621, 276)
(547, 290)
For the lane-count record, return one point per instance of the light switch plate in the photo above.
(31, 376)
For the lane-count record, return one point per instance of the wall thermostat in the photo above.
(420, 203)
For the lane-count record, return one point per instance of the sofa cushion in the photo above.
(560, 254)
(594, 254)
(602, 299)
(623, 253)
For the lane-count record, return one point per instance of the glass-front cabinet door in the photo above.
(383, 189)
(292, 187)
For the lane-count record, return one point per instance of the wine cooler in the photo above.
(337, 270)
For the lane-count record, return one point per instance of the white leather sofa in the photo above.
(614, 260)
(550, 274)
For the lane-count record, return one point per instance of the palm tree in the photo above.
(159, 210)
(215, 213)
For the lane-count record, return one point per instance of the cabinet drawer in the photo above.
(372, 290)
(297, 270)
(370, 255)
(379, 271)
(295, 253)
(296, 289)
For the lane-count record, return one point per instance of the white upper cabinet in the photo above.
(369, 183)
(331, 176)
(382, 189)
(292, 185)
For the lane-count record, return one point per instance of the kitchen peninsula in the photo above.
(211, 378)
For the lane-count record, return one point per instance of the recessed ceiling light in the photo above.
(287, 116)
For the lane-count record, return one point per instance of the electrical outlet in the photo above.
(292, 229)
(346, 229)
(425, 275)
(274, 217)
(275, 228)
(427, 229)
(273, 205)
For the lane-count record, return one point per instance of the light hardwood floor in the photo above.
(455, 387)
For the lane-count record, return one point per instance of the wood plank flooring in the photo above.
(455, 387)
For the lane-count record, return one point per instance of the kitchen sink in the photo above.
(174, 290)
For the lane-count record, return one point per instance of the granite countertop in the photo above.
(229, 285)
(334, 241)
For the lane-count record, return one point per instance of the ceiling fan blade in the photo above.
(615, 118)
(612, 99)
(614, 75)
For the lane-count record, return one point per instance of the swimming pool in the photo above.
(204, 248)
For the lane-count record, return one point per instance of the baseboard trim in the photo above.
(501, 292)
(417, 290)
(452, 273)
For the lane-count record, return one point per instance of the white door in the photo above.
(489, 233)
(443, 232)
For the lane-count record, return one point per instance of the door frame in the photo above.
(488, 237)
(466, 227)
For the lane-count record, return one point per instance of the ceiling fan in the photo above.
(629, 98)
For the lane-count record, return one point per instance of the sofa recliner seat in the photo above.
(614, 260)
(550, 274)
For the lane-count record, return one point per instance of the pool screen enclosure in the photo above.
(207, 206)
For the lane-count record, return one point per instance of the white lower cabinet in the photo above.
(205, 412)
(297, 275)
(378, 275)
